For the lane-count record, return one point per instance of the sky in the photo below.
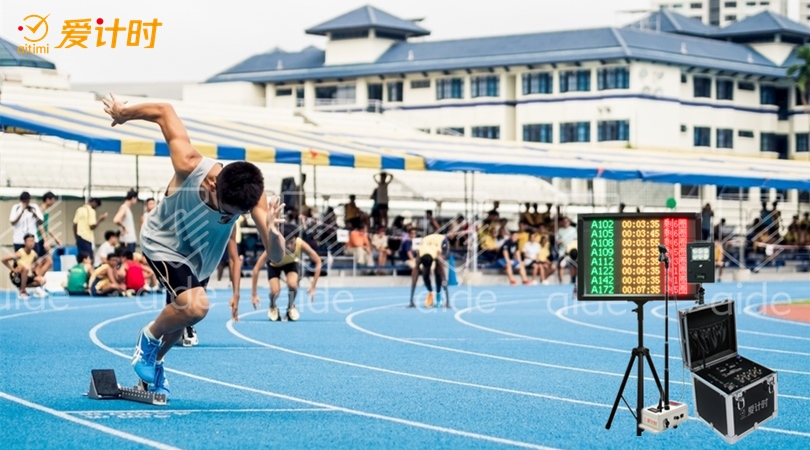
(200, 38)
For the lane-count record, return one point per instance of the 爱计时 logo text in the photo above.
(86, 32)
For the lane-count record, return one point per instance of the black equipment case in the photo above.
(732, 394)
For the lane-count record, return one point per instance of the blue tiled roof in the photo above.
(669, 21)
(10, 57)
(792, 58)
(527, 49)
(277, 59)
(765, 22)
(367, 17)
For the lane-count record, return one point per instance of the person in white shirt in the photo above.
(148, 206)
(109, 245)
(126, 221)
(531, 250)
(26, 218)
(379, 245)
(566, 234)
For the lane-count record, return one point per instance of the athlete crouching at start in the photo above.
(184, 237)
(290, 266)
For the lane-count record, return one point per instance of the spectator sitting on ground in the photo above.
(523, 236)
(132, 273)
(78, 276)
(544, 259)
(105, 279)
(26, 269)
(379, 244)
(531, 252)
(148, 273)
(510, 259)
(406, 251)
(359, 246)
(109, 246)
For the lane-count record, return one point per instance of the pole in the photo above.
(743, 228)
(474, 229)
(137, 173)
(315, 186)
(89, 174)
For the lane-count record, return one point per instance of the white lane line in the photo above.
(94, 338)
(86, 423)
(562, 314)
(656, 312)
(552, 341)
(172, 411)
(405, 374)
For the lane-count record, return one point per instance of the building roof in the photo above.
(766, 22)
(10, 57)
(669, 21)
(525, 49)
(280, 60)
(368, 17)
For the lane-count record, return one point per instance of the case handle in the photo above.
(740, 401)
(770, 383)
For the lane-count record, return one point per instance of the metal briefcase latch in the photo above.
(740, 400)
(770, 382)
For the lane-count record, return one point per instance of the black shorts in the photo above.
(382, 206)
(275, 272)
(426, 261)
(175, 277)
(16, 279)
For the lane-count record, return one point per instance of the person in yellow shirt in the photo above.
(290, 266)
(432, 252)
(106, 279)
(27, 270)
(718, 258)
(523, 236)
(84, 224)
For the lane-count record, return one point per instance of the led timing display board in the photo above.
(617, 255)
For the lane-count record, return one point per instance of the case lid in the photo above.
(708, 334)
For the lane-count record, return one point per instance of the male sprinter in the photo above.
(432, 252)
(289, 265)
(184, 237)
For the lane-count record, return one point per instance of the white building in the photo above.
(804, 12)
(684, 86)
(722, 12)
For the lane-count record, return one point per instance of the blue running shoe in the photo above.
(145, 357)
(161, 385)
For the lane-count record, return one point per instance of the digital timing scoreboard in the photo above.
(617, 255)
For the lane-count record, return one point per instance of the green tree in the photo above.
(801, 73)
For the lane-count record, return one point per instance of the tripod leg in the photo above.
(621, 390)
(655, 375)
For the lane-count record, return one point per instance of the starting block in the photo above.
(104, 386)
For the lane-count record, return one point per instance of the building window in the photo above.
(488, 86)
(343, 94)
(767, 95)
(420, 84)
(696, 5)
(575, 80)
(575, 132)
(725, 90)
(424, 130)
(750, 3)
(732, 193)
(767, 142)
(683, 78)
(394, 91)
(491, 132)
(690, 191)
(801, 142)
(703, 87)
(451, 131)
(613, 130)
(799, 97)
(745, 133)
(283, 92)
(341, 35)
(725, 138)
(804, 196)
(730, 4)
(537, 83)
(449, 88)
(703, 136)
(538, 132)
(730, 18)
(764, 3)
(746, 86)
(613, 78)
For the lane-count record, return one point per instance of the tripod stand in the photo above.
(641, 353)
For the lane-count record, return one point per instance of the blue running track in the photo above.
(508, 367)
